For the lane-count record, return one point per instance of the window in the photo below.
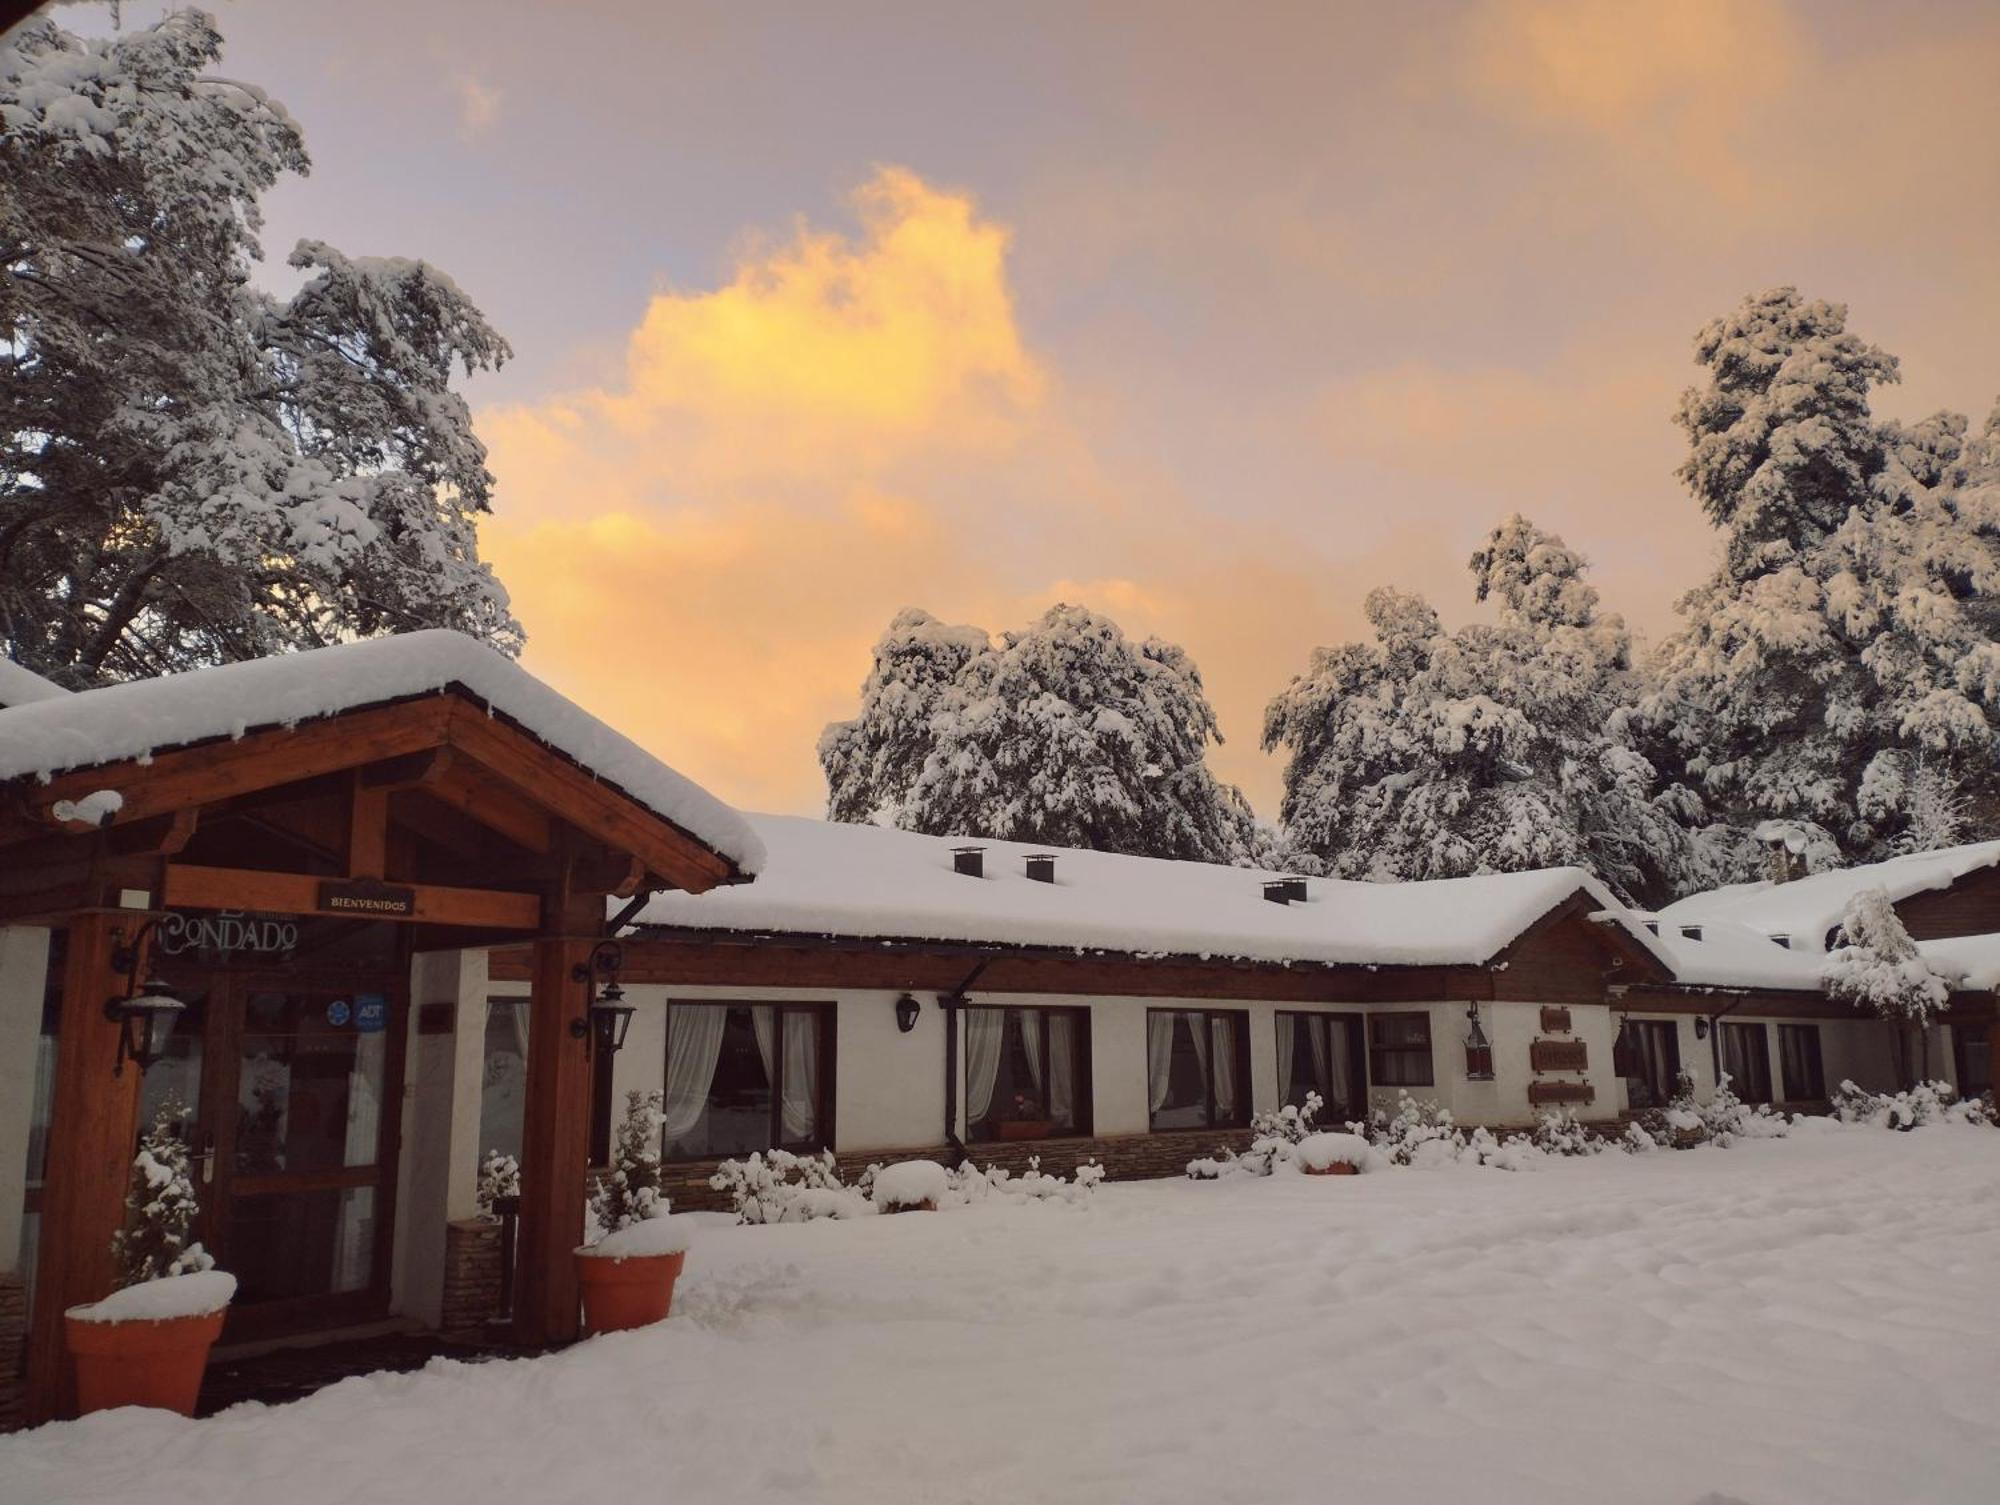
(747, 1076)
(1027, 1073)
(1399, 1050)
(1198, 1068)
(503, 1089)
(1652, 1061)
(1798, 1055)
(1972, 1054)
(1322, 1053)
(1746, 1056)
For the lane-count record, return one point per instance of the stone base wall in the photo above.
(471, 1275)
(1125, 1157)
(13, 1353)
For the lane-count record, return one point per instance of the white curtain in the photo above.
(983, 1034)
(364, 1098)
(1160, 1056)
(1320, 1033)
(694, 1042)
(1062, 1069)
(1198, 1031)
(1225, 1065)
(764, 1020)
(517, 1010)
(1288, 1042)
(1031, 1041)
(801, 1076)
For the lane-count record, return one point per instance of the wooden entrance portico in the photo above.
(434, 813)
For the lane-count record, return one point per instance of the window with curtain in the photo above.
(1799, 1057)
(1653, 1061)
(1746, 1056)
(1321, 1053)
(503, 1094)
(1972, 1056)
(1399, 1050)
(742, 1077)
(1198, 1068)
(1027, 1073)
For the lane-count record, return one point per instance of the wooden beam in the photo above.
(92, 1132)
(597, 809)
(497, 807)
(191, 887)
(222, 769)
(411, 771)
(367, 830)
(555, 1132)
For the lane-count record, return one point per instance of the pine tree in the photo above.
(1877, 966)
(160, 1206)
(1839, 674)
(630, 1191)
(1432, 754)
(1066, 733)
(192, 470)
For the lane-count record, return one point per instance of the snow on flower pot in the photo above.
(147, 1345)
(911, 1186)
(627, 1277)
(1332, 1154)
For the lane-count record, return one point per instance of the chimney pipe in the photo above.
(971, 861)
(1278, 890)
(1042, 867)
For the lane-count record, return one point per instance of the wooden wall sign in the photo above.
(1555, 1021)
(1560, 1092)
(379, 899)
(1559, 1055)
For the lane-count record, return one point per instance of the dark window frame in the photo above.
(1668, 1030)
(1082, 1093)
(823, 1110)
(1239, 1022)
(1356, 1027)
(1964, 1048)
(1380, 1051)
(1815, 1063)
(1758, 1059)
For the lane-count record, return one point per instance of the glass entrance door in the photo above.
(295, 1082)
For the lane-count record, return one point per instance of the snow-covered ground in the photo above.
(1813, 1320)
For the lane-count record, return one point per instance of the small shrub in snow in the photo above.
(1321, 1152)
(1728, 1118)
(499, 1178)
(159, 1206)
(629, 1193)
(1419, 1132)
(1679, 1125)
(910, 1183)
(1923, 1105)
(1275, 1137)
(969, 1184)
(1560, 1133)
(780, 1187)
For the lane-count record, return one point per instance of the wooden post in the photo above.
(93, 1127)
(555, 1135)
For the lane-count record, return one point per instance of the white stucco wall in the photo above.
(24, 958)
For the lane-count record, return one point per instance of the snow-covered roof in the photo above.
(134, 720)
(1805, 909)
(863, 882)
(19, 686)
(1723, 953)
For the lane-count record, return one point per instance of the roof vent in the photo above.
(1783, 940)
(1653, 925)
(1278, 890)
(1042, 867)
(1691, 932)
(970, 861)
(1296, 888)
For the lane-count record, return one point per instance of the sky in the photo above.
(1211, 318)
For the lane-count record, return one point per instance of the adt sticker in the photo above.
(371, 1013)
(337, 1012)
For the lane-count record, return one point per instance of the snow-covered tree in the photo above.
(1840, 671)
(193, 470)
(1877, 966)
(1432, 754)
(1066, 733)
(872, 762)
(630, 1192)
(156, 1240)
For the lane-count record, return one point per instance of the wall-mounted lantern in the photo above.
(907, 1009)
(1478, 1049)
(146, 1012)
(609, 1016)
(1701, 1026)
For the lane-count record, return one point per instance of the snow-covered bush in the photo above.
(1727, 1117)
(630, 1192)
(1679, 1125)
(909, 1183)
(1274, 1136)
(499, 1178)
(1879, 967)
(1921, 1106)
(1322, 1152)
(1560, 1133)
(1419, 1132)
(159, 1206)
(969, 1184)
(777, 1186)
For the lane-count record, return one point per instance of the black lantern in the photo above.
(1478, 1049)
(1701, 1026)
(609, 1016)
(148, 1011)
(907, 1009)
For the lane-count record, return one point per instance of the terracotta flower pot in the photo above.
(1338, 1168)
(1024, 1128)
(927, 1205)
(624, 1293)
(140, 1362)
